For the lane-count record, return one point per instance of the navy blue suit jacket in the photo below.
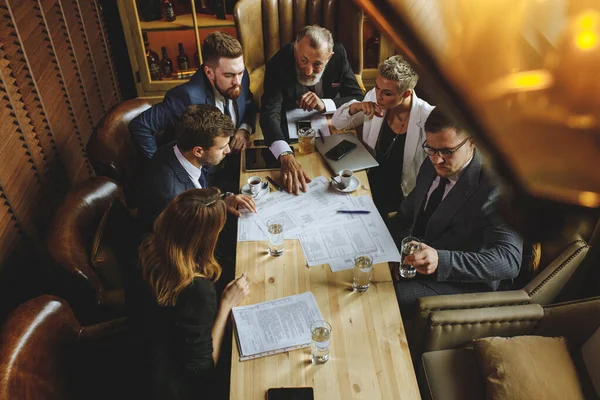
(473, 244)
(165, 115)
(164, 178)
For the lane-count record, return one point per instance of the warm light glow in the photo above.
(588, 20)
(589, 199)
(586, 40)
(530, 80)
(588, 25)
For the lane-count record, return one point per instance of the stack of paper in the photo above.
(275, 326)
(326, 236)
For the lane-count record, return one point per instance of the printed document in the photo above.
(317, 121)
(275, 326)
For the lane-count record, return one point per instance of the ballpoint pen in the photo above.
(354, 211)
(272, 182)
(321, 136)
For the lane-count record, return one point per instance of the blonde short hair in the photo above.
(398, 70)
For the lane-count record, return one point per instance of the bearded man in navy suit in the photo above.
(222, 81)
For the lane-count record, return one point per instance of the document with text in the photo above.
(275, 326)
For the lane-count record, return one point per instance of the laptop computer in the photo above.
(356, 160)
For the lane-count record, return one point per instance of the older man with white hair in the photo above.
(313, 73)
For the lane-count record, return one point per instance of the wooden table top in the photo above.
(369, 355)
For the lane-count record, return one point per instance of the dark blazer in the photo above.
(282, 90)
(165, 115)
(473, 244)
(163, 179)
(174, 343)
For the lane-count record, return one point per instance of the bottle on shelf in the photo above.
(166, 65)
(168, 11)
(219, 8)
(183, 61)
(153, 60)
(196, 60)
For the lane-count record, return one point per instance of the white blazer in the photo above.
(415, 135)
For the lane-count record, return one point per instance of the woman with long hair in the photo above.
(392, 119)
(179, 323)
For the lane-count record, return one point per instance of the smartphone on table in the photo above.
(340, 150)
(293, 393)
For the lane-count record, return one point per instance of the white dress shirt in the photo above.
(451, 182)
(193, 172)
(220, 104)
(279, 146)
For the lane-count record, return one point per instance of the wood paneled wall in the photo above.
(56, 82)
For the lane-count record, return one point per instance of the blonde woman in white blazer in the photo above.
(392, 117)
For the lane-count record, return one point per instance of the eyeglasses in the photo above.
(443, 152)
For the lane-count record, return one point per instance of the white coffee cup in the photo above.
(255, 183)
(346, 176)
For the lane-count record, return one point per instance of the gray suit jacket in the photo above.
(473, 244)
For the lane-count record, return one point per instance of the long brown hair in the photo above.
(183, 244)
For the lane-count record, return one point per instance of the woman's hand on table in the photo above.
(235, 292)
(369, 108)
(293, 177)
(239, 200)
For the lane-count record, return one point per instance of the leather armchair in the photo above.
(112, 151)
(264, 26)
(92, 240)
(449, 366)
(558, 262)
(47, 354)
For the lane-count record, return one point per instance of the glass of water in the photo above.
(363, 272)
(275, 233)
(410, 246)
(321, 335)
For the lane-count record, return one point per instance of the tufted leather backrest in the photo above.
(74, 233)
(47, 354)
(264, 26)
(38, 340)
(111, 149)
(281, 20)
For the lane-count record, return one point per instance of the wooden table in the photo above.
(369, 355)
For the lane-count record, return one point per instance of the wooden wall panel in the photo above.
(56, 83)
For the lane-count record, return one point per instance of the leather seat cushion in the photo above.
(257, 78)
(453, 375)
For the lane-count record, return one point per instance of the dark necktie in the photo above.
(226, 108)
(434, 201)
(203, 180)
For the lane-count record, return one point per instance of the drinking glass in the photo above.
(275, 234)
(363, 273)
(321, 334)
(410, 245)
(306, 140)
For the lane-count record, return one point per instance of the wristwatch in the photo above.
(226, 194)
(285, 153)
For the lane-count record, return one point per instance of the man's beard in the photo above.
(232, 93)
(312, 81)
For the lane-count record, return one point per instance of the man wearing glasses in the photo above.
(464, 246)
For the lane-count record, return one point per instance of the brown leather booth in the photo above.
(264, 26)
(111, 149)
(47, 354)
(450, 367)
(92, 240)
(559, 261)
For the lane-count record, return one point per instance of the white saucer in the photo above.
(352, 186)
(263, 192)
